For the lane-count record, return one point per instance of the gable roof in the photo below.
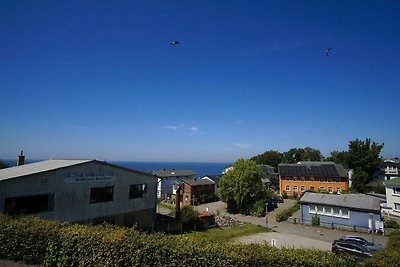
(195, 182)
(354, 201)
(50, 165)
(173, 173)
(392, 182)
(215, 178)
(312, 169)
(37, 167)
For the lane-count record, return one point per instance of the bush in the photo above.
(189, 217)
(286, 213)
(388, 223)
(315, 220)
(35, 241)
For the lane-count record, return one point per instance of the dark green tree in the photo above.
(241, 187)
(364, 159)
(3, 165)
(295, 155)
(340, 157)
(271, 157)
(189, 217)
(311, 154)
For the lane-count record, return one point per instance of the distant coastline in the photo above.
(200, 168)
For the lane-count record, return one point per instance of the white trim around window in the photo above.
(339, 212)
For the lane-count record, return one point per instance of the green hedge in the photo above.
(286, 213)
(36, 241)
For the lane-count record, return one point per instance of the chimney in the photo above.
(178, 202)
(21, 159)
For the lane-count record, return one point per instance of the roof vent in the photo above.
(21, 159)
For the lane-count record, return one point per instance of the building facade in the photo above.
(196, 188)
(79, 191)
(349, 211)
(167, 178)
(312, 176)
(392, 206)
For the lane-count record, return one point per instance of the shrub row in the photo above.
(36, 241)
(286, 213)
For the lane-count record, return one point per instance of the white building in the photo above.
(392, 197)
(167, 178)
(79, 191)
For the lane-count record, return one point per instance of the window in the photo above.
(396, 191)
(321, 179)
(312, 179)
(397, 206)
(137, 190)
(302, 179)
(336, 211)
(101, 194)
(312, 188)
(312, 208)
(337, 180)
(338, 190)
(321, 188)
(287, 188)
(345, 212)
(295, 188)
(295, 178)
(303, 188)
(29, 204)
(329, 211)
(287, 178)
(330, 190)
(329, 180)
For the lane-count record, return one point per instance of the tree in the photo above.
(271, 157)
(364, 159)
(189, 217)
(295, 155)
(340, 157)
(3, 165)
(241, 187)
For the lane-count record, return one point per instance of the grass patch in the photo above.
(228, 234)
(166, 205)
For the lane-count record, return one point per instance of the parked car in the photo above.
(362, 241)
(271, 205)
(351, 248)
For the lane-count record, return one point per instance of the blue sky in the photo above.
(98, 79)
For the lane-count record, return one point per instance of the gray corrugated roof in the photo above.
(37, 167)
(392, 182)
(355, 201)
(198, 182)
(313, 169)
(173, 173)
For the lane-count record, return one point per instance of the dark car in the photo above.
(362, 241)
(271, 205)
(351, 248)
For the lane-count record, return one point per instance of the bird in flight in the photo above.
(174, 43)
(328, 51)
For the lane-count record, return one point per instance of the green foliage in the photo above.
(241, 187)
(315, 220)
(388, 223)
(189, 217)
(271, 157)
(3, 165)
(35, 241)
(295, 155)
(286, 213)
(390, 256)
(360, 179)
(341, 157)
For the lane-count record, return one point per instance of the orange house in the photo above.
(312, 176)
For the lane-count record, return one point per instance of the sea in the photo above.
(200, 168)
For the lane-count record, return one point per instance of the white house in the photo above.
(167, 178)
(392, 197)
(79, 191)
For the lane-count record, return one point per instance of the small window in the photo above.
(287, 178)
(330, 190)
(397, 206)
(337, 180)
(338, 190)
(336, 211)
(329, 180)
(295, 178)
(303, 188)
(312, 179)
(322, 179)
(137, 190)
(101, 194)
(312, 208)
(396, 191)
(302, 179)
(321, 188)
(295, 188)
(287, 188)
(312, 188)
(345, 212)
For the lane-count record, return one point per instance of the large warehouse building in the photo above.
(79, 191)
